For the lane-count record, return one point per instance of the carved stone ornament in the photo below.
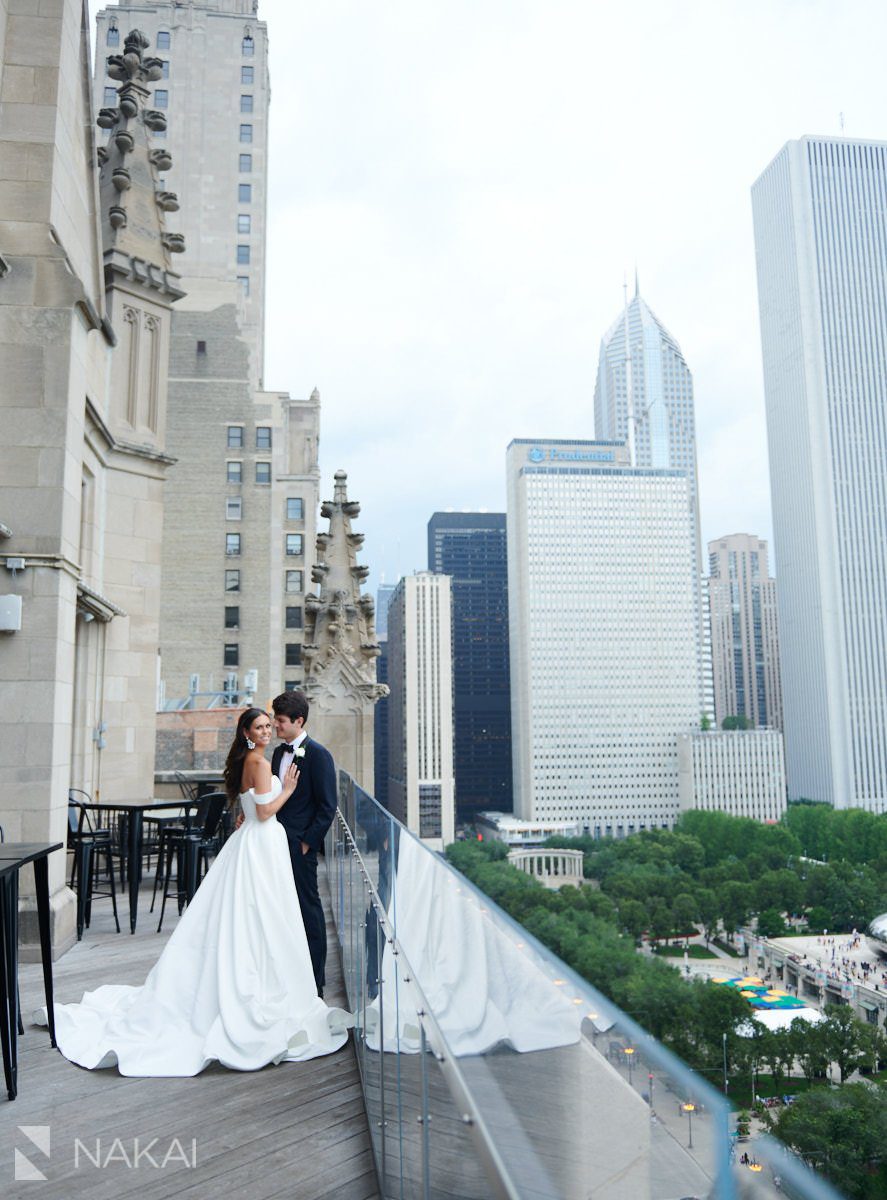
(137, 246)
(340, 645)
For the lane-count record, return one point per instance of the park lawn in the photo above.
(693, 951)
(739, 1090)
(727, 948)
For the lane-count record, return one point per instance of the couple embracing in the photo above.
(241, 979)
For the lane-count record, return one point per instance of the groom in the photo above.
(307, 815)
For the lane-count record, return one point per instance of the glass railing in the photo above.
(489, 1068)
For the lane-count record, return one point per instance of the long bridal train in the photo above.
(233, 984)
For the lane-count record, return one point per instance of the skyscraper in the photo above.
(604, 676)
(241, 501)
(644, 397)
(216, 88)
(384, 592)
(820, 210)
(744, 631)
(420, 707)
(471, 549)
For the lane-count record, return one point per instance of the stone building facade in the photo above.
(241, 517)
(85, 313)
(241, 507)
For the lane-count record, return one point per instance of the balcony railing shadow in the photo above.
(490, 1068)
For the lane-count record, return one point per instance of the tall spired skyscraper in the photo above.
(644, 397)
(820, 214)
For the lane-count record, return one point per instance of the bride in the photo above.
(234, 982)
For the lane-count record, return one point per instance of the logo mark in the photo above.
(38, 1136)
(536, 455)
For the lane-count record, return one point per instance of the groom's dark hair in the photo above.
(292, 705)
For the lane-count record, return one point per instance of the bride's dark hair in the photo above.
(238, 752)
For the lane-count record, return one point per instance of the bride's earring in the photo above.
(250, 745)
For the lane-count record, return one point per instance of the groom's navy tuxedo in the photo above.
(306, 817)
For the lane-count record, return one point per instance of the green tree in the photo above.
(771, 923)
(634, 918)
(685, 912)
(736, 904)
(843, 1134)
(810, 1046)
(709, 911)
(661, 921)
(738, 721)
(847, 1043)
(777, 1051)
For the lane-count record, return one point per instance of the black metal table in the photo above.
(135, 813)
(14, 856)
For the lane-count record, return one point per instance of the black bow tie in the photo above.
(287, 746)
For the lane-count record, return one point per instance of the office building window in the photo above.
(234, 472)
(294, 543)
(232, 581)
(164, 67)
(263, 472)
(291, 685)
(294, 581)
(232, 616)
(243, 280)
(163, 39)
(246, 104)
(245, 190)
(232, 654)
(295, 510)
(161, 98)
(110, 97)
(232, 543)
(246, 162)
(246, 133)
(293, 654)
(246, 74)
(243, 255)
(263, 437)
(248, 47)
(243, 223)
(113, 36)
(233, 508)
(293, 616)
(235, 437)
(159, 133)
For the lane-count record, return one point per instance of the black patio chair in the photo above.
(89, 845)
(193, 850)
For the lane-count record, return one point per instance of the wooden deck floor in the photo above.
(298, 1130)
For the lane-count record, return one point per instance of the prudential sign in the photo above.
(539, 454)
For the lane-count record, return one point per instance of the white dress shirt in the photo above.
(287, 757)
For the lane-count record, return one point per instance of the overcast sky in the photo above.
(458, 189)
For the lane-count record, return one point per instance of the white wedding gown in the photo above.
(233, 984)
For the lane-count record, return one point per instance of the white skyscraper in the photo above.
(820, 216)
(644, 396)
(421, 778)
(604, 668)
(741, 772)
